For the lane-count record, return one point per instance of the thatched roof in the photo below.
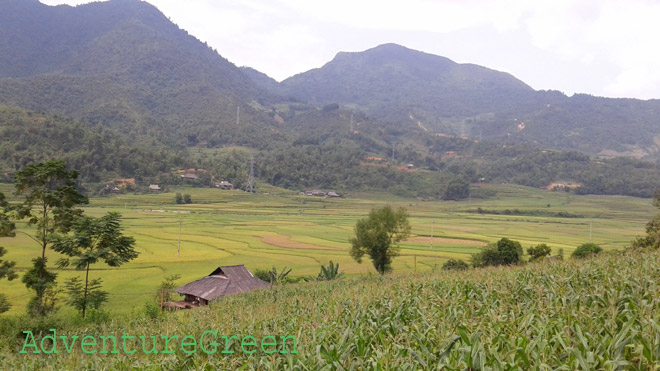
(226, 280)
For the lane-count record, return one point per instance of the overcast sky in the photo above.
(600, 47)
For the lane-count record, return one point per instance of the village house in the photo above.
(332, 194)
(224, 185)
(225, 280)
(189, 176)
(154, 187)
(315, 192)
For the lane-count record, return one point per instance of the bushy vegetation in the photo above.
(455, 265)
(500, 318)
(503, 252)
(586, 250)
(538, 252)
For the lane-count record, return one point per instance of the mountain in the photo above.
(97, 153)
(122, 63)
(396, 84)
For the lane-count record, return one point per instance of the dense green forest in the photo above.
(396, 84)
(97, 153)
(318, 151)
(119, 91)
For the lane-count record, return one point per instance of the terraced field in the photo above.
(279, 228)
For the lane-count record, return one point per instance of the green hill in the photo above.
(97, 153)
(122, 63)
(400, 85)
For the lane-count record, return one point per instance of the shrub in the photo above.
(262, 274)
(504, 252)
(586, 249)
(455, 265)
(538, 252)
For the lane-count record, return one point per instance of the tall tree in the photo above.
(378, 236)
(93, 240)
(6, 267)
(652, 238)
(50, 197)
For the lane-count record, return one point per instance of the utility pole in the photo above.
(432, 225)
(352, 129)
(238, 115)
(250, 187)
(178, 249)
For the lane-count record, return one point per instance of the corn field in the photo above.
(600, 313)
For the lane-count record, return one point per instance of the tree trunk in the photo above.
(85, 292)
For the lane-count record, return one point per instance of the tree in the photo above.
(504, 252)
(586, 249)
(187, 198)
(6, 267)
(178, 198)
(49, 204)
(510, 251)
(166, 289)
(378, 236)
(93, 240)
(652, 238)
(538, 252)
(457, 189)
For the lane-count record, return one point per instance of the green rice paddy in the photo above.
(279, 228)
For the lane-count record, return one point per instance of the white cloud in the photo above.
(602, 47)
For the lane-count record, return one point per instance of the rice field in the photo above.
(279, 228)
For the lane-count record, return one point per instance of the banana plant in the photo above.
(329, 273)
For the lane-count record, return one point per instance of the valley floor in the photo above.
(279, 228)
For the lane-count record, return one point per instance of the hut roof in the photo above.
(225, 280)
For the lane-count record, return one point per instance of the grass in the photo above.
(599, 313)
(279, 228)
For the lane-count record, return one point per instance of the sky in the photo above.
(605, 48)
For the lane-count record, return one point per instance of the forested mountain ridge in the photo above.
(397, 84)
(122, 63)
(146, 99)
(97, 153)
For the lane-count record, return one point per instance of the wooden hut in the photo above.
(225, 280)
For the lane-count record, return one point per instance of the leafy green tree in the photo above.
(586, 249)
(457, 189)
(178, 198)
(85, 295)
(166, 289)
(6, 267)
(652, 238)
(94, 240)
(42, 281)
(487, 256)
(455, 265)
(504, 252)
(6, 270)
(49, 204)
(538, 252)
(378, 236)
(330, 272)
(187, 199)
(510, 251)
